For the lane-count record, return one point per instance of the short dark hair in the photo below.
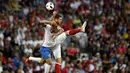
(58, 16)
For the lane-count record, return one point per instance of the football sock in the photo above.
(47, 68)
(58, 68)
(74, 31)
(35, 59)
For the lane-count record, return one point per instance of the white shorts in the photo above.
(57, 51)
(57, 48)
(60, 38)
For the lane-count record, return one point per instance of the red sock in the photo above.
(74, 31)
(57, 68)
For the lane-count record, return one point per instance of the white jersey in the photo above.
(48, 40)
(55, 44)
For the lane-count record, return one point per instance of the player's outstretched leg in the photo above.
(47, 65)
(36, 59)
(74, 31)
(46, 57)
(60, 38)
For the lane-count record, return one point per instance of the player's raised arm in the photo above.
(52, 19)
(53, 16)
(46, 22)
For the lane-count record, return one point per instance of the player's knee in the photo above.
(42, 61)
(58, 60)
(67, 32)
(48, 61)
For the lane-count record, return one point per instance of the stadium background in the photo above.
(104, 48)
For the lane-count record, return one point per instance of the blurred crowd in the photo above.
(104, 48)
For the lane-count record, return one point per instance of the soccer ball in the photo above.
(50, 6)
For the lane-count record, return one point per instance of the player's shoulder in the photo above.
(53, 22)
(48, 26)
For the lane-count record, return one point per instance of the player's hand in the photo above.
(55, 12)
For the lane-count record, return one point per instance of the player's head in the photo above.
(58, 18)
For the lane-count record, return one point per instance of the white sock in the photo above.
(35, 59)
(52, 66)
(47, 68)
